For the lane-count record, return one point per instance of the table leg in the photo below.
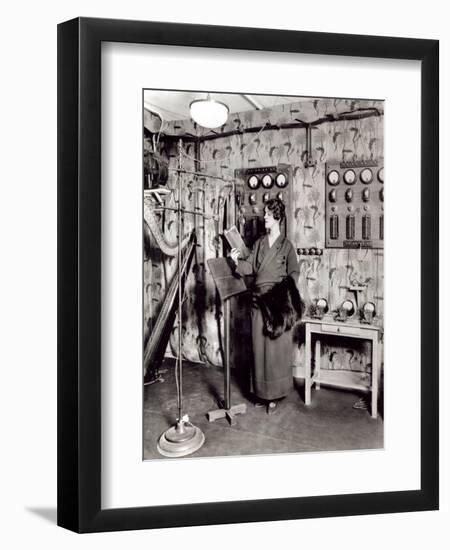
(307, 364)
(317, 364)
(375, 368)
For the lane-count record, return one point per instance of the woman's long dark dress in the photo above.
(271, 377)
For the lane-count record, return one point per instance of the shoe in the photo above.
(271, 407)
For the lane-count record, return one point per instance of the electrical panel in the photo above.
(354, 200)
(255, 186)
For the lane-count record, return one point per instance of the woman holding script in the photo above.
(274, 263)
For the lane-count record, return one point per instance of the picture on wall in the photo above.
(263, 286)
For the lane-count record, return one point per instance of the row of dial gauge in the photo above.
(366, 176)
(267, 181)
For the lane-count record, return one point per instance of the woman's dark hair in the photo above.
(276, 206)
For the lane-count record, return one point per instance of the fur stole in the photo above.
(281, 307)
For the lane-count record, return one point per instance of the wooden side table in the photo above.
(334, 378)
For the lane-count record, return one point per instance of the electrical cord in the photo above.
(228, 155)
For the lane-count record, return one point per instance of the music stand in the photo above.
(228, 285)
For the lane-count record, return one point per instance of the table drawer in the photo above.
(341, 329)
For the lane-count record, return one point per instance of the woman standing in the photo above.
(272, 260)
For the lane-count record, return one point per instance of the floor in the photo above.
(330, 423)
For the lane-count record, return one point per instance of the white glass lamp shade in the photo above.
(347, 309)
(369, 311)
(322, 306)
(209, 113)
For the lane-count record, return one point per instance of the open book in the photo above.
(234, 239)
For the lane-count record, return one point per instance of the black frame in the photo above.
(79, 277)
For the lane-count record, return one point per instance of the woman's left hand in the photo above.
(234, 255)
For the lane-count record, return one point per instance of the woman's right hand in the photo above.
(234, 255)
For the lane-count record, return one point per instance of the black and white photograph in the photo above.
(263, 274)
(218, 331)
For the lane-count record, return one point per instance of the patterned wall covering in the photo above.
(326, 276)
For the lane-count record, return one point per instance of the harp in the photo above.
(159, 338)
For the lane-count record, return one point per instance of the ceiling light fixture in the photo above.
(208, 112)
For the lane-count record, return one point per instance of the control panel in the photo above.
(257, 186)
(354, 199)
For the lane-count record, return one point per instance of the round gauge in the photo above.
(253, 182)
(381, 175)
(252, 198)
(333, 177)
(281, 180)
(267, 181)
(366, 175)
(350, 177)
(332, 195)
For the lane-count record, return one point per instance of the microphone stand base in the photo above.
(180, 440)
